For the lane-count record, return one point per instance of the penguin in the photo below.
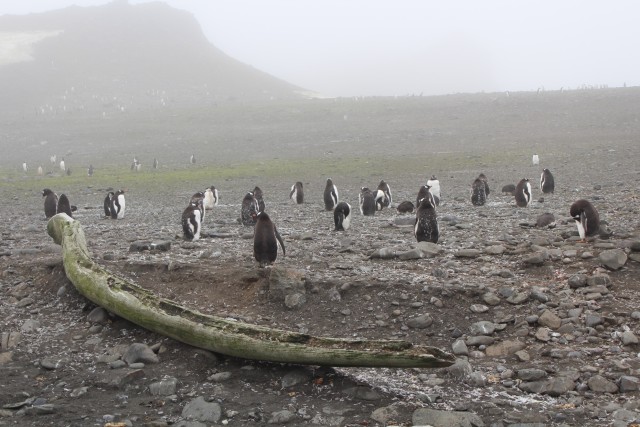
(192, 159)
(136, 166)
(383, 195)
(405, 207)
(535, 159)
(155, 163)
(25, 168)
(198, 199)
(257, 193)
(424, 193)
(50, 203)
(40, 171)
(367, 202)
(63, 168)
(68, 171)
(265, 240)
(296, 194)
(426, 226)
(107, 204)
(434, 183)
(192, 218)
(546, 220)
(484, 179)
(523, 193)
(117, 205)
(53, 159)
(586, 217)
(509, 189)
(342, 216)
(249, 210)
(90, 170)
(64, 206)
(210, 197)
(331, 197)
(547, 185)
(478, 192)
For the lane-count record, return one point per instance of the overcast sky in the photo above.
(399, 47)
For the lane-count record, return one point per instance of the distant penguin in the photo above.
(50, 203)
(107, 204)
(342, 216)
(64, 206)
(484, 179)
(192, 159)
(383, 195)
(249, 210)
(25, 168)
(434, 184)
(426, 225)
(296, 194)
(40, 171)
(265, 240)
(523, 193)
(405, 207)
(198, 199)
(331, 197)
(90, 170)
(192, 218)
(367, 202)
(53, 160)
(535, 159)
(68, 171)
(117, 205)
(257, 193)
(63, 168)
(478, 193)
(155, 163)
(586, 217)
(547, 185)
(424, 193)
(509, 189)
(210, 197)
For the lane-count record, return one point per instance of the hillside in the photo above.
(120, 56)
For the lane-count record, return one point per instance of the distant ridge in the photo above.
(121, 56)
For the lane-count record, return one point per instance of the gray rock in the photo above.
(495, 250)
(543, 334)
(284, 281)
(166, 387)
(483, 327)
(592, 320)
(139, 352)
(479, 308)
(281, 417)
(386, 414)
(536, 258)
(468, 253)
(383, 253)
(553, 387)
(577, 281)
(461, 368)
(599, 280)
(80, 391)
(220, 377)
(294, 300)
(52, 363)
(600, 384)
(420, 322)
(478, 340)
(531, 374)
(438, 418)
(200, 410)
(363, 393)
(428, 249)
(459, 348)
(613, 259)
(635, 246)
(29, 326)
(519, 298)
(98, 315)
(295, 377)
(550, 320)
(476, 379)
(628, 383)
(628, 338)
(504, 348)
(412, 254)
(491, 298)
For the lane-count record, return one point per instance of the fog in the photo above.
(365, 47)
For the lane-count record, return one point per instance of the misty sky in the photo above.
(376, 47)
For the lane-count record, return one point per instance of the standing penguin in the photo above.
(117, 205)
(40, 171)
(478, 192)
(155, 163)
(342, 216)
(434, 183)
(296, 194)
(192, 159)
(484, 179)
(249, 210)
(64, 206)
(50, 203)
(523, 193)
(90, 170)
(257, 193)
(383, 195)
(547, 185)
(210, 197)
(535, 159)
(367, 202)
(331, 197)
(426, 225)
(192, 218)
(107, 204)
(63, 167)
(586, 217)
(265, 240)
(25, 168)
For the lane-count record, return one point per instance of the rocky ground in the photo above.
(545, 328)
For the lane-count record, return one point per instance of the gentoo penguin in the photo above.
(296, 194)
(405, 207)
(265, 240)
(257, 193)
(383, 195)
(155, 163)
(509, 189)
(547, 185)
(63, 168)
(25, 168)
(367, 202)
(535, 159)
(90, 170)
(249, 210)
(50, 203)
(117, 205)
(424, 193)
(53, 159)
(64, 206)
(331, 197)
(523, 193)
(434, 183)
(107, 204)
(478, 192)
(484, 179)
(68, 171)
(210, 197)
(586, 217)
(40, 171)
(198, 199)
(426, 225)
(342, 216)
(192, 218)
(192, 159)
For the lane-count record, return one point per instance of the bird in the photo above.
(192, 159)
(198, 198)
(107, 204)
(265, 240)
(249, 210)
(342, 216)
(523, 193)
(367, 202)
(210, 197)
(434, 183)
(405, 207)
(63, 168)
(63, 205)
(53, 160)
(50, 203)
(478, 192)
(297, 194)
(192, 218)
(136, 166)
(586, 217)
(117, 205)
(426, 226)
(535, 159)
(509, 189)
(40, 171)
(257, 193)
(25, 168)
(155, 163)
(484, 179)
(383, 195)
(547, 184)
(331, 197)
(424, 193)
(90, 170)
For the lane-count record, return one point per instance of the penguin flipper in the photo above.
(284, 252)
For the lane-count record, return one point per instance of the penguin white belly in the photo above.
(294, 193)
(581, 231)
(346, 222)
(335, 196)
(196, 229)
(122, 204)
